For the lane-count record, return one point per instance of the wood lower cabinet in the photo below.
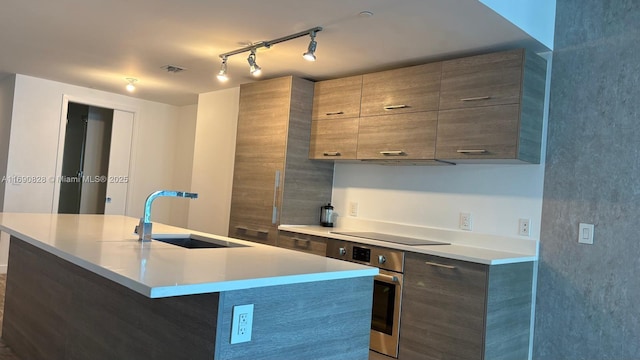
(410, 136)
(460, 310)
(302, 242)
(274, 181)
(491, 108)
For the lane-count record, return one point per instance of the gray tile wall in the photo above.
(588, 301)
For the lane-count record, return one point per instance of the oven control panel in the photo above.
(384, 258)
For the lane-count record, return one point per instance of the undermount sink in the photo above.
(192, 241)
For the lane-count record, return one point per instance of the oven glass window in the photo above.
(384, 295)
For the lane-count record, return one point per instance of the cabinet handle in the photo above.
(257, 232)
(394, 107)
(471, 151)
(477, 98)
(334, 113)
(390, 278)
(331, 153)
(301, 243)
(276, 187)
(392, 153)
(439, 265)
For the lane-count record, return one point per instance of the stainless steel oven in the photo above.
(387, 289)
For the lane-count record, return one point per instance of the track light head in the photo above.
(222, 74)
(254, 69)
(310, 55)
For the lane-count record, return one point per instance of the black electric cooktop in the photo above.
(390, 238)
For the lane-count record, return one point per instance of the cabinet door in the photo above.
(482, 80)
(410, 89)
(254, 201)
(408, 136)
(490, 132)
(443, 309)
(334, 139)
(259, 161)
(337, 99)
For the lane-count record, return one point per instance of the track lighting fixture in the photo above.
(130, 87)
(254, 69)
(310, 55)
(222, 74)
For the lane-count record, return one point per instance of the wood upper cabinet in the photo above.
(337, 98)
(273, 179)
(407, 136)
(455, 309)
(491, 108)
(404, 90)
(336, 111)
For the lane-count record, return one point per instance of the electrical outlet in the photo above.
(524, 227)
(585, 233)
(353, 209)
(466, 221)
(241, 323)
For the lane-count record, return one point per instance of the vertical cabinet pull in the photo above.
(276, 188)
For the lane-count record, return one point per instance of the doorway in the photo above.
(85, 164)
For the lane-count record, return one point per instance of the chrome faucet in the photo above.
(144, 228)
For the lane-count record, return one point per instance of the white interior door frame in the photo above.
(66, 99)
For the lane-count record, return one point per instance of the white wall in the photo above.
(213, 160)
(34, 143)
(535, 17)
(433, 196)
(185, 131)
(7, 86)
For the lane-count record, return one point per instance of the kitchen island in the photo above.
(82, 286)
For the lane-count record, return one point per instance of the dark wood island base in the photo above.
(58, 310)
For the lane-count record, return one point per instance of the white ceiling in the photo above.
(99, 43)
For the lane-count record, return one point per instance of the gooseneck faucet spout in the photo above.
(144, 228)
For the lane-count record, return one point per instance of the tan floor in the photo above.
(5, 351)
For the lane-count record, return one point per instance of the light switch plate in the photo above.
(585, 233)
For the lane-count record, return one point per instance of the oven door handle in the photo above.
(389, 278)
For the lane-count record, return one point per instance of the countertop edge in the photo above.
(453, 251)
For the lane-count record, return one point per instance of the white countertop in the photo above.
(107, 246)
(467, 247)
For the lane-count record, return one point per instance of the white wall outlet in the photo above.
(524, 227)
(585, 233)
(241, 323)
(466, 223)
(353, 209)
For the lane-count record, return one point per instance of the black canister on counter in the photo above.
(326, 215)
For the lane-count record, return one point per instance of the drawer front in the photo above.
(265, 233)
(337, 99)
(480, 133)
(405, 90)
(307, 243)
(483, 80)
(409, 136)
(334, 139)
